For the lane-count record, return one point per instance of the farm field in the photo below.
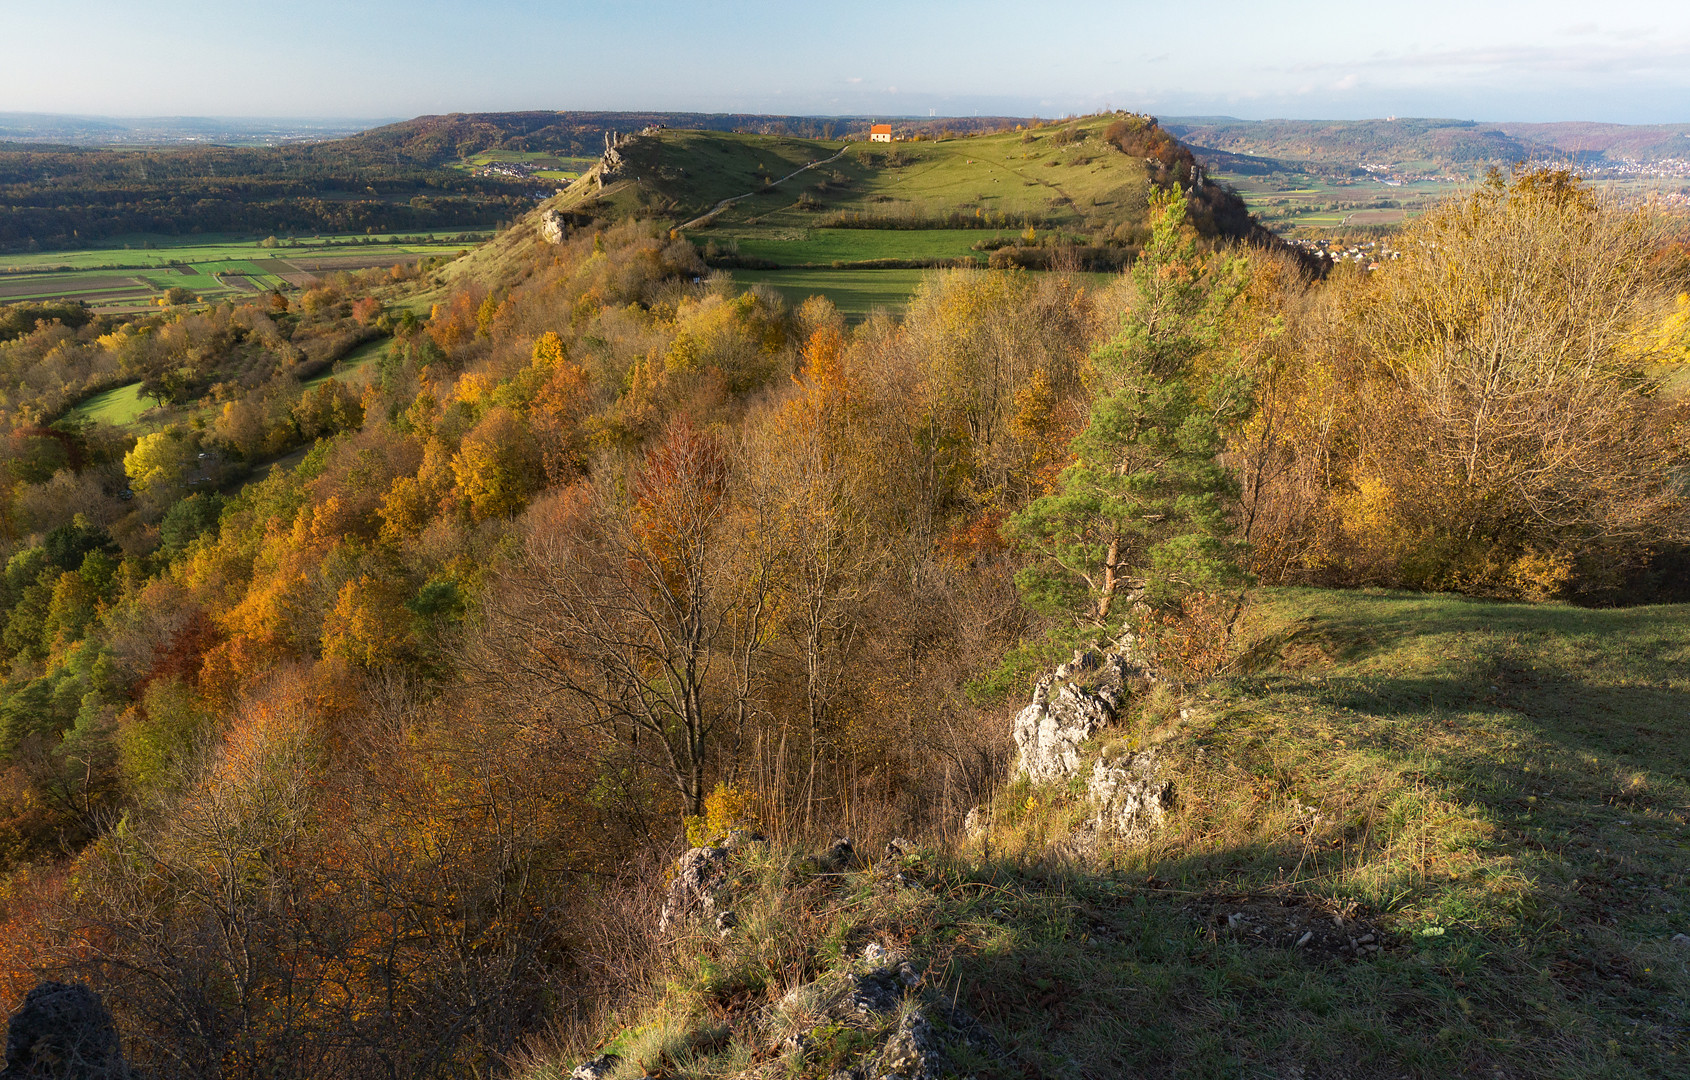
(356, 367)
(812, 247)
(858, 293)
(132, 277)
(1298, 204)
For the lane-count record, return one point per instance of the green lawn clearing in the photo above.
(856, 293)
(120, 406)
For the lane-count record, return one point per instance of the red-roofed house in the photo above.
(880, 133)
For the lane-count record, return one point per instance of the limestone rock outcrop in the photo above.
(553, 229)
(611, 163)
(697, 881)
(1127, 796)
(1069, 706)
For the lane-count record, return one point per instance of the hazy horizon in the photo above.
(1503, 61)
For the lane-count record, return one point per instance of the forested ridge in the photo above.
(351, 768)
(56, 198)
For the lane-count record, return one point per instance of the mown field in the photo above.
(123, 406)
(136, 275)
(856, 293)
(810, 247)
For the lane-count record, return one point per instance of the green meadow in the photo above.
(135, 274)
(812, 246)
(856, 293)
(119, 406)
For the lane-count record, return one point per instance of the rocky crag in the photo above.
(871, 1016)
(1070, 706)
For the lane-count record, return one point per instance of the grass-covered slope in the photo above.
(1495, 793)
(1011, 178)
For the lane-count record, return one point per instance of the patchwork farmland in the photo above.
(134, 277)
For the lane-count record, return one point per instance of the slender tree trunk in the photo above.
(1107, 596)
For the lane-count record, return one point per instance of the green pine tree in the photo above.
(1145, 505)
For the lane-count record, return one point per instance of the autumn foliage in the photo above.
(341, 769)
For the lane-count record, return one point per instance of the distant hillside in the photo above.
(1639, 142)
(1347, 144)
(441, 139)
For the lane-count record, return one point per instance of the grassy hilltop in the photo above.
(1006, 180)
(809, 215)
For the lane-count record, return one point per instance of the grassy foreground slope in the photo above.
(1496, 793)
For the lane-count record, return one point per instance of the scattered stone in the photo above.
(975, 822)
(725, 923)
(1681, 939)
(699, 873)
(840, 855)
(596, 1068)
(914, 1052)
(1290, 922)
(63, 1031)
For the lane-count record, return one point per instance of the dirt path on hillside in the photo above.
(725, 203)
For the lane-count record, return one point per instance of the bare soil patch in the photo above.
(1309, 923)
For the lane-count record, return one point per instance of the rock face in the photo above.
(693, 891)
(1128, 797)
(598, 1068)
(553, 229)
(1069, 706)
(63, 1031)
(610, 163)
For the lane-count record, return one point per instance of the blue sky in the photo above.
(1497, 60)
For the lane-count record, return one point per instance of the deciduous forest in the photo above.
(359, 762)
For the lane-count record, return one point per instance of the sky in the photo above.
(1542, 60)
